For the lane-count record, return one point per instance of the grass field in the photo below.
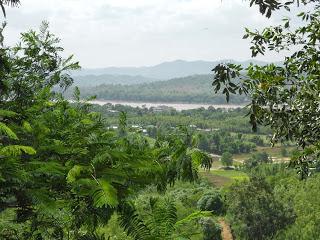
(220, 178)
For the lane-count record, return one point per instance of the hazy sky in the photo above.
(103, 33)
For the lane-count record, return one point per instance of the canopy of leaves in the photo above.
(254, 211)
(284, 97)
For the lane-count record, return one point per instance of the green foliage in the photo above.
(212, 201)
(211, 229)
(226, 159)
(212, 119)
(63, 171)
(160, 226)
(158, 221)
(16, 150)
(302, 196)
(284, 97)
(257, 159)
(105, 194)
(7, 131)
(255, 212)
(191, 89)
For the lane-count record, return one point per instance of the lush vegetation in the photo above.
(232, 120)
(63, 173)
(78, 171)
(285, 97)
(192, 89)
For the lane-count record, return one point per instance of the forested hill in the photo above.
(191, 89)
(96, 80)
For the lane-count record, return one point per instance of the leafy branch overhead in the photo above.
(12, 3)
(284, 95)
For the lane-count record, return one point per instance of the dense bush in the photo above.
(255, 212)
(212, 201)
(211, 229)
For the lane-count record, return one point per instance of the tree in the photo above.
(226, 159)
(254, 212)
(257, 140)
(257, 159)
(284, 97)
(211, 229)
(211, 201)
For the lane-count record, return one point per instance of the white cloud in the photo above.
(141, 32)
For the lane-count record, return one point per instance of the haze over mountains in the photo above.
(172, 82)
(136, 75)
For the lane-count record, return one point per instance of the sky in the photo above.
(103, 33)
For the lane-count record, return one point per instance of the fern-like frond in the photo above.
(42, 197)
(7, 113)
(16, 150)
(164, 218)
(26, 126)
(75, 173)
(193, 216)
(4, 129)
(47, 168)
(104, 194)
(200, 158)
(133, 224)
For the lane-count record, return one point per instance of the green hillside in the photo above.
(191, 89)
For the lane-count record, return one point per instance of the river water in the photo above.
(177, 106)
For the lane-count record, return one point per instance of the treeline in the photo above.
(192, 89)
(221, 142)
(230, 120)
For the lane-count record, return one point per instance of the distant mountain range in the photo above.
(134, 75)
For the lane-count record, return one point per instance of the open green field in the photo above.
(220, 178)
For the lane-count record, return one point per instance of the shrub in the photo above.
(211, 229)
(211, 202)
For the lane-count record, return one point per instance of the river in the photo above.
(177, 106)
